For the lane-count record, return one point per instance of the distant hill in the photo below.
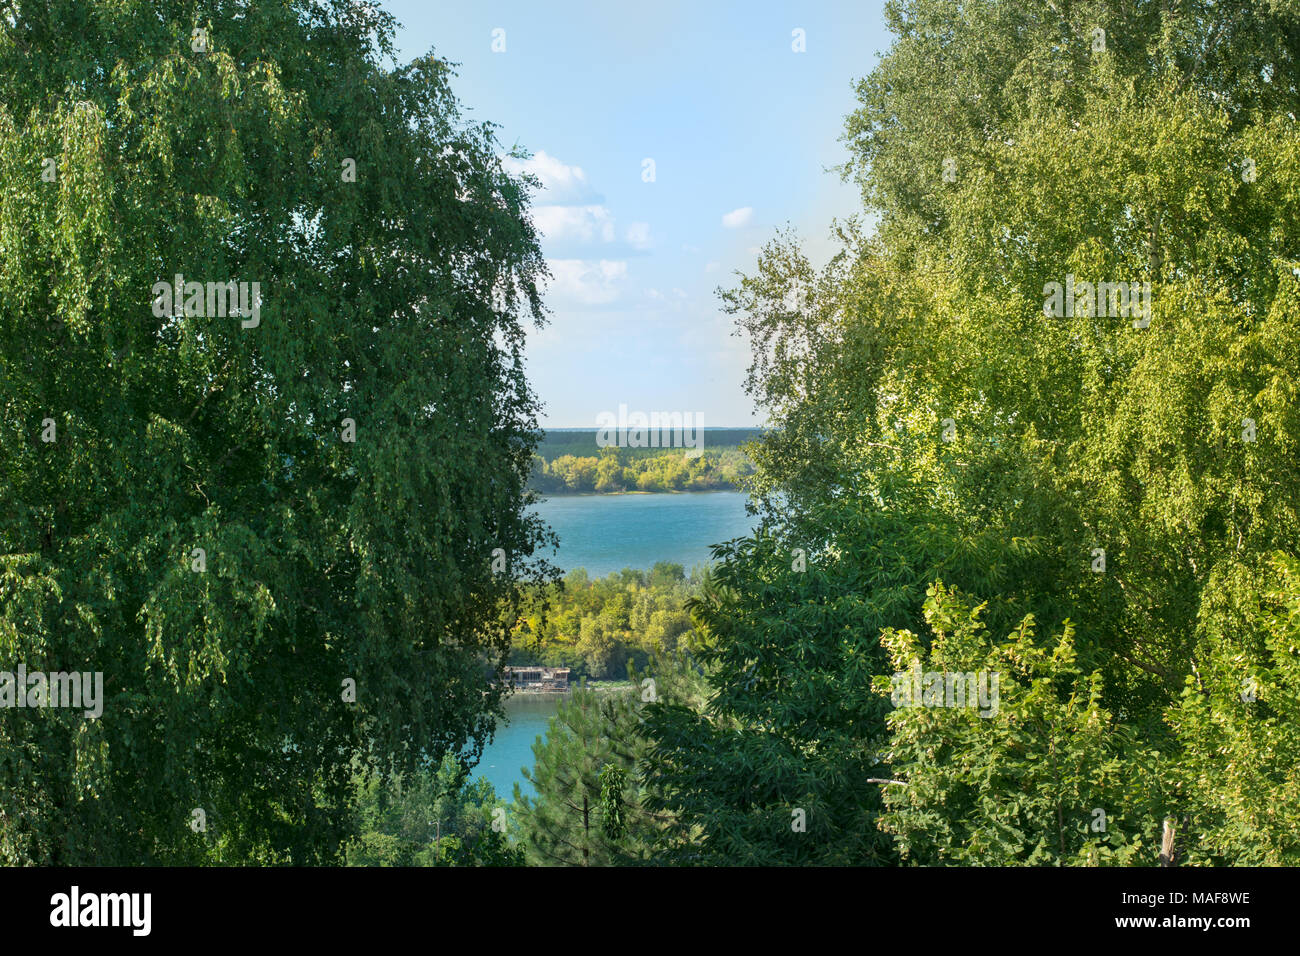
(582, 442)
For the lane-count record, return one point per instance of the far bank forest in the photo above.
(570, 461)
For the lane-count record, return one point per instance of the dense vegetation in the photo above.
(599, 626)
(582, 442)
(571, 462)
(593, 805)
(619, 470)
(433, 816)
(274, 538)
(1096, 518)
(1099, 510)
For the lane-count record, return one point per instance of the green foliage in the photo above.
(930, 422)
(792, 727)
(325, 560)
(613, 780)
(581, 443)
(1238, 720)
(587, 810)
(792, 643)
(433, 817)
(599, 627)
(1075, 433)
(620, 470)
(1046, 775)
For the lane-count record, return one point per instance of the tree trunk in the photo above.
(586, 830)
(1167, 843)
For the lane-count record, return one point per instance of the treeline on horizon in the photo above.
(570, 461)
(582, 442)
(1102, 513)
(618, 470)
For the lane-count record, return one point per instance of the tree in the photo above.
(433, 817)
(609, 472)
(774, 768)
(1004, 754)
(1237, 721)
(1119, 469)
(273, 533)
(587, 809)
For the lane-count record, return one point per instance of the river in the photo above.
(527, 718)
(607, 533)
(604, 534)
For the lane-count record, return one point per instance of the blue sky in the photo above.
(742, 131)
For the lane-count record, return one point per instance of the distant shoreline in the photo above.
(615, 494)
(595, 686)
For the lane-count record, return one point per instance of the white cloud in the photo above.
(574, 223)
(711, 267)
(585, 281)
(637, 235)
(567, 210)
(561, 183)
(738, 217)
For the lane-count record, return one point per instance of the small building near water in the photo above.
(537, 679)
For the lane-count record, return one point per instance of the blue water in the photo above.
(527, 718)
(606, 533)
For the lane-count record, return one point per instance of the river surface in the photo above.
(604, 534)
(527, 717)
(607, 533)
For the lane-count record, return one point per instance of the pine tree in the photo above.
(565, 822)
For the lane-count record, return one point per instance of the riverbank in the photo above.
(615, 494)
(527, 717)
(596, 686)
